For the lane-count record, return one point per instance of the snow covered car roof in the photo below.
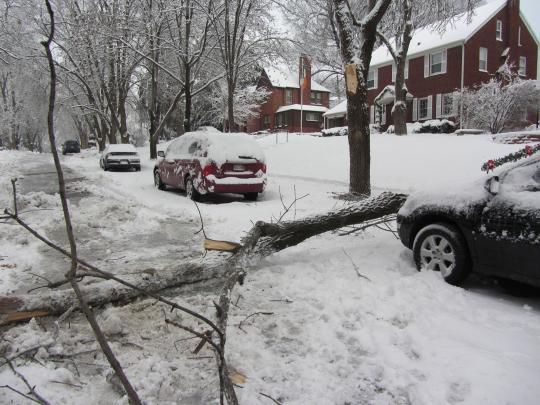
(218, 146)
(120, 147)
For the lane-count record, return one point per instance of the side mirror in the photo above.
(161, 153)
(493, 185)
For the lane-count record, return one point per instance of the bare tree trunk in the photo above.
(399, 112)
(230, 106)
(357, 39)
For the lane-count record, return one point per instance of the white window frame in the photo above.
(522, 71)
(287, 92)
(310, 114)
(373, 72)
(480, 60)
(428, 63)
(420, 116)
(499, 31)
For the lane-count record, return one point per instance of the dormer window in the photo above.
(498, 31)
(316, 97)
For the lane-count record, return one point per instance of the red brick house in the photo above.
(466, 54)
(289, 100)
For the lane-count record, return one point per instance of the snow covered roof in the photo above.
(457, 31)
(338, 110)
(312, 108)
(281, 77)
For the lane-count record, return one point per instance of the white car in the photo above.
(120, 156)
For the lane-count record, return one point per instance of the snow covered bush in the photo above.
(494, 105)
(337, 131)
(434, 127)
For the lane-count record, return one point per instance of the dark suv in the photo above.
(71, 147)
(493, 230)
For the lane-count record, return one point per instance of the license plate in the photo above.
(124, 162)
(238, 168)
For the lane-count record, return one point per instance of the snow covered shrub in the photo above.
(337, 131)
(434, 127)
(505, 98)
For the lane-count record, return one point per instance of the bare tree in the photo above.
(505, 98)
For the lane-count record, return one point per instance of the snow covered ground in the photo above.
(396, 336)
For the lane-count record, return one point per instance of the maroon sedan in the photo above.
(206, 162)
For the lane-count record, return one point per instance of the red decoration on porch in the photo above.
(491, 165)
(528, 150)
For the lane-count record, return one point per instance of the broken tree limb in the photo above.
(262, 240)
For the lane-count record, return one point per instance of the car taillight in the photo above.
(209, 169)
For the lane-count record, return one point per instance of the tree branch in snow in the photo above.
(71, 275)
(32, 389)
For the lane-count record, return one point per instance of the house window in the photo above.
(482, 59)
(312, 117)
(522, 66)
(279, 120)
(316, 97)
(447, 107)
(288, 97)
(371, 80)
(436, 63)
(519, 36)
(266, 121)
(498, 32)
(422, 108)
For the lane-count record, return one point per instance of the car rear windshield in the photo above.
(72, 143)
(123, 153)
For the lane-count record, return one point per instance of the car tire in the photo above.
(191, 192)
(251, 196)
(441, 247)
(157, 181)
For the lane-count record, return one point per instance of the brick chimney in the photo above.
(510, 31)
(304, 75)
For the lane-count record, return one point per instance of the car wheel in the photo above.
(441, 247)
(157, 181)
(251, 196)
(191, 192)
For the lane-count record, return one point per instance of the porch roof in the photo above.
(387, 95)
(298, 107)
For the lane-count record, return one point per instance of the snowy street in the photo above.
(323, 334)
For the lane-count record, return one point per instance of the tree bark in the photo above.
(357, 39)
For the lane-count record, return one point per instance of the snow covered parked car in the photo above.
(120, 156)
(492, 229)
(205, 162)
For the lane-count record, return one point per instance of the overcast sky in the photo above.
(531, 11)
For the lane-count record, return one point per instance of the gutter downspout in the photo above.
(462, 82)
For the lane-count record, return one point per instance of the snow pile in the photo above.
(217, 146)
